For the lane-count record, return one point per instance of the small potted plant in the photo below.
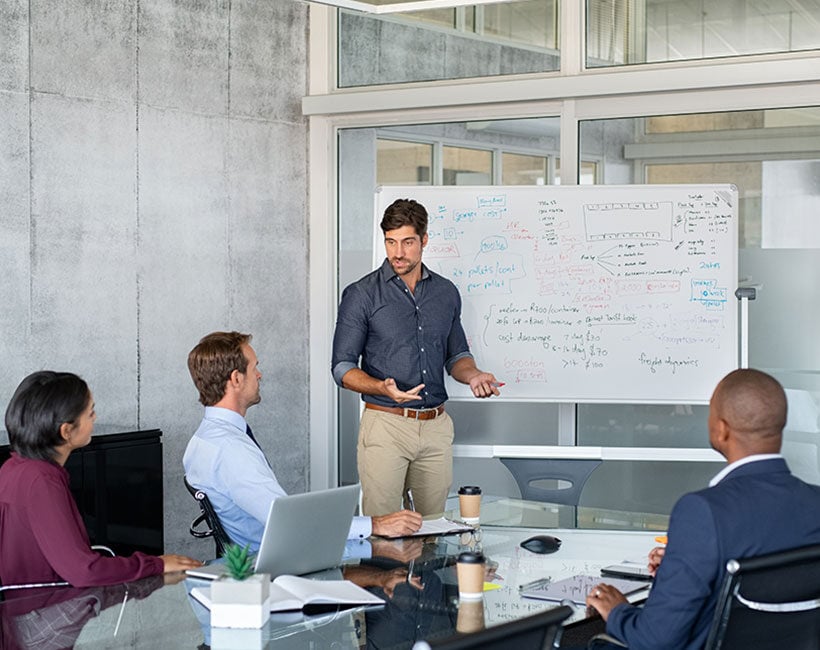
(242, 598)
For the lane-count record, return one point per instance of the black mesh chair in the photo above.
(537, 632)
(208, 517)
(769, 602)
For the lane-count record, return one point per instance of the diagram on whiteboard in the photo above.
(605, 293)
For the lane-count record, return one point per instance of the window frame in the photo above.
(574, 95)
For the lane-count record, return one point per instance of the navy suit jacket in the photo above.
(757, 508)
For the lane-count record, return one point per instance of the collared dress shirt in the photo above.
(411, 337)
(223, 461)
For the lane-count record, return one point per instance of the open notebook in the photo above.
(291, 593)
(576, 588)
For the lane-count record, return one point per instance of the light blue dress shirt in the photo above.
(231, 469)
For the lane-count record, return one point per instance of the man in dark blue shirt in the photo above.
(404, 322)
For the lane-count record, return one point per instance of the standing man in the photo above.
(223, 458)
(404, 322)
(753, 507)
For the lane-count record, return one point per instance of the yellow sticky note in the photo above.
(489, 586)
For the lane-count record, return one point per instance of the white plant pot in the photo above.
(226, 638)
(241, 603)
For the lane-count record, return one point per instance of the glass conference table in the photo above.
(415, 576)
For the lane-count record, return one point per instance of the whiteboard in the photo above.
(588, 293)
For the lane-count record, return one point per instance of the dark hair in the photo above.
(212, 361)
(43, 402)
(405, 212)
(752, 402)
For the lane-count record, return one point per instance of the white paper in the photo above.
(440, 526)
(289, 593)
(578, 587)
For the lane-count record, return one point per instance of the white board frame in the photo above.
(723, 253)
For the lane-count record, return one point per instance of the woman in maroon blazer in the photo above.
(42, 536)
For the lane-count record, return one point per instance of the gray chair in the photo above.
(537, 632)
(526, 471)
(769, 602)
(208, 517)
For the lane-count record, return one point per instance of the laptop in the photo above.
(304, 533)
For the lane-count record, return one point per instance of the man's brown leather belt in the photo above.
(413, 414)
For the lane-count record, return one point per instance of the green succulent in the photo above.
(238, 562)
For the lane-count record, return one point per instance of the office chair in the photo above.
(527, 471)
(537, 632)
(769, 602)
(209, 517)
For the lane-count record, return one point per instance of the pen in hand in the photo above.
(410, 501)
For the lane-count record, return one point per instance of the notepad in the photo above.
(292, 593)
(578, 587)
(440, 526)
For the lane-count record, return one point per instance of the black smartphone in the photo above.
(628, 571)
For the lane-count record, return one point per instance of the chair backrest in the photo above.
(769, 602)
(528, 472)
(542, 630)
(208, 516)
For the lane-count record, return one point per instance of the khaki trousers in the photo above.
(396, 453)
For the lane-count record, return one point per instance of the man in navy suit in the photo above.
(753, 507)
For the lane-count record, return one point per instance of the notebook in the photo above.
(304, 533)
(291, 593)
(578, 587)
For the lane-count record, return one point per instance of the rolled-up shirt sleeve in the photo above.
(457, 347)
(351, 333)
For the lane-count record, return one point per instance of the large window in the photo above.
(467, 153)
(621, 32)
(778, 180)
(751, 120)
(403, 163)
(481, 41)
(464, 166)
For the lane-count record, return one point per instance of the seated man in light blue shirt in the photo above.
(225, 461)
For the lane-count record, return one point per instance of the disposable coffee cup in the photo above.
(470, 573)
(469, 503)
(470, 616)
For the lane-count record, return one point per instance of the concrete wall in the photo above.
(152, 189)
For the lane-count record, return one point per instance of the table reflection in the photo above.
(53, 618)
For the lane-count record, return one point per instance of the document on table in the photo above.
(577, 588)
(440, 526)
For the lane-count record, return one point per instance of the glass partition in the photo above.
(465, 166)
(482, 41)
(451, 153)
(524, 170)
(624, 32)
(779, 241)
(403, 163)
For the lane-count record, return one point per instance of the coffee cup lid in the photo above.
(470, 557)
(469, 489)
